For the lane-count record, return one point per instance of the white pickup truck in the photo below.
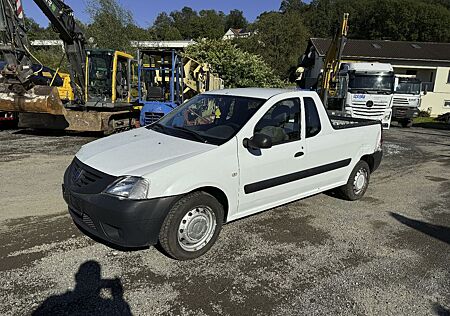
(220, 156)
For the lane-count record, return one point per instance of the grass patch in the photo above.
(430, 122)
(417, 120)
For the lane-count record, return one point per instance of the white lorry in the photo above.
(406, 99)
(367, 90)
(220, 156)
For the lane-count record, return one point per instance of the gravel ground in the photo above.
(386, 254)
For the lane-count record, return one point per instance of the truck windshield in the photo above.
(363, 83)
(100, 76)
(209, 118)
(408, 87)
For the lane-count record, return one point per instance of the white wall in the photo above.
(441, 93)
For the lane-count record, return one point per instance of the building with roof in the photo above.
(429, 62)
(236, 33)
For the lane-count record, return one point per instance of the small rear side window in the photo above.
(313, 126)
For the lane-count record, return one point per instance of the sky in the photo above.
(145, 11)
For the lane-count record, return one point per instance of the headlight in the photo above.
(134, 188)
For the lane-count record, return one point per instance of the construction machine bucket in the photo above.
(39, 99)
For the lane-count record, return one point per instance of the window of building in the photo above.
(281, 122)
(411, 72)
(313, 126)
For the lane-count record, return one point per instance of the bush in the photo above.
(236, 67)
(424, 114)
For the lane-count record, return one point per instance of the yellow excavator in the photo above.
(94, 96)
(328, 85)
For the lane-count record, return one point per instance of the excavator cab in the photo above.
(108, 78)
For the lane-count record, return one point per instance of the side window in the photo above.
(281, 122)
(312, 119)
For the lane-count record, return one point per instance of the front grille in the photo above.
(88, 221)
(401, 101)
(152, 117)
(376, 111)
(82, 177)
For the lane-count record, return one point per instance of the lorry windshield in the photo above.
(408, 87)
(364, 83)
(209, 118)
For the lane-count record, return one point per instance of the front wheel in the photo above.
(357, 182)
(406, 123)
(192, 226)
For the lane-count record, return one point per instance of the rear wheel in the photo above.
(357, 183)
(192, 226)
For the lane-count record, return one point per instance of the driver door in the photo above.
(267, 176)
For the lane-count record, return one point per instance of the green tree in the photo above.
(164, 28)
(186, 21)
(112, 26)
(413, 20)
(236, 67)
(236, 20)
(280, 38)
(289, 5)
(211, 24)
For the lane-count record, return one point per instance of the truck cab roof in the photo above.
(369, 67)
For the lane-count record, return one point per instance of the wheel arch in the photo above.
(370, 161)
(220, 196)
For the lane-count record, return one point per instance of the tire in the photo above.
(357, 182)
(192, 226)
(406, 123)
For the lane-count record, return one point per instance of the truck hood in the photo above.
(138, 152)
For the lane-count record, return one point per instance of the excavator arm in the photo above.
(62, 18)
(333, 59)
(14, 45)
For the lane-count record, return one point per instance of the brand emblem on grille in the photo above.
(77, 173)
(369, 104)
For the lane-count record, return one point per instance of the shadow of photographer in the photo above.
(88, 297)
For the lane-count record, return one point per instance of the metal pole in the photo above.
(139, 75)
(163, 77)
(172, 78)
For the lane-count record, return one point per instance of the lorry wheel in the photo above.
(406, 123)
(192, 226)
(357, 182)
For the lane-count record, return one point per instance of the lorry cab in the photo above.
(406, 99)
(369, 88)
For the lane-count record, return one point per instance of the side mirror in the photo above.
(258, 141)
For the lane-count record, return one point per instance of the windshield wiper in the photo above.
(356, 90)
(159, 125)
(191, 132)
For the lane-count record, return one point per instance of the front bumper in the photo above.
(120, 222)
(402, 112)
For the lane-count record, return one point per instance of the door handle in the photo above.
(299, 154)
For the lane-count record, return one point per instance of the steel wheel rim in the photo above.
(360, 181)
(196, 228)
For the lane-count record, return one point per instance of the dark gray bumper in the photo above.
(121, 222)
